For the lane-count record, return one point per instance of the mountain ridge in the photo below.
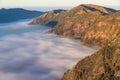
(44, 19)
(89, 29)
(97, 26)
(99, 8)
(14, 14)
(77, 21)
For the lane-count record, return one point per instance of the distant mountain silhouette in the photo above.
(14, 14)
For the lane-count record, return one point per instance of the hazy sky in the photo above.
(48, 3)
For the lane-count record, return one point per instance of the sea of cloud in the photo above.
(27, 52)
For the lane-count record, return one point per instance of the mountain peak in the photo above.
(43, 19)
(93, 7)
(57, 11)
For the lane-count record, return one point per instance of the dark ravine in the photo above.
(93, 25)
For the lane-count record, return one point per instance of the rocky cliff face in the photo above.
(103, 65)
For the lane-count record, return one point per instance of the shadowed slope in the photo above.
(14, 14)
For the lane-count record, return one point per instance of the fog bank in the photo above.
(28, 53)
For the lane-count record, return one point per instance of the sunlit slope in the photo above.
(103, 65)
(92, 24)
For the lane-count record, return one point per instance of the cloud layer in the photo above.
(28, 53)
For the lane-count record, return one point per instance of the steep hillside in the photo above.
(92, 29)
(55, 16)
(9, 15)
(103, 65)
(92, 24)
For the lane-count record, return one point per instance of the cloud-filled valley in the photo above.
(28, 53)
